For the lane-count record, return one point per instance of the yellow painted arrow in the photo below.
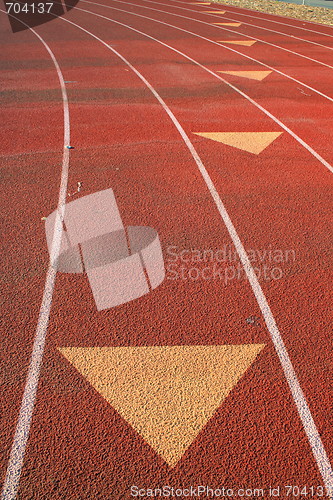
(167, 394)
(253, 75)
(236, 25)
(246, 43)
(252, 142)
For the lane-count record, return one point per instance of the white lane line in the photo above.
(16, 459)
(225, 29)
(225, 7)
(237, 20)
(303, 409)
(219, 44)
(265, 111)
(288, 35)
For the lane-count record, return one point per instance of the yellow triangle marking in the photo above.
(253, 75)
(213, 11)
(253, 142)
(247, 43)
(228, 24)
(167, 394)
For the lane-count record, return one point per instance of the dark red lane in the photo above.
(79, 446)
(274, 20)
(307, 34)
(304, 111)
(79, 428)
(31, 134)
(177, 12)
(306, 29)
(291, 64)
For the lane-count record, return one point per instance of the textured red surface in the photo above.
(79, 447)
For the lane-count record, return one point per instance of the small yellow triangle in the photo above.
(253, 75)
(167, 394)
(228, 24)
(213, 11)
(252, 142)
(247, 43)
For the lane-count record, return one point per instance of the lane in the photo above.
(324, 285)
(67, 427)
(297, 24)
(102, 485)
(265, 41)
(302, 74)
(302, 142)
(224, 17)
(17, 453)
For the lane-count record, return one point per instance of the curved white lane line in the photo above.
(270, 115)
(249, 24)
(303, 409)
(16, 459)
(222, 28)
(219, 44)
(231, 19)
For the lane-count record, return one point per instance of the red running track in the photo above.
(79, 446)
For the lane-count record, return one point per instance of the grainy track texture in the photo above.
(219, 136)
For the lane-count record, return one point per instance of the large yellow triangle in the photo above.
(253, 142)
(253, 75)
(167, 394)
(247, 43)
(228, 24)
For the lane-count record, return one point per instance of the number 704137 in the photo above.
(28, 8)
